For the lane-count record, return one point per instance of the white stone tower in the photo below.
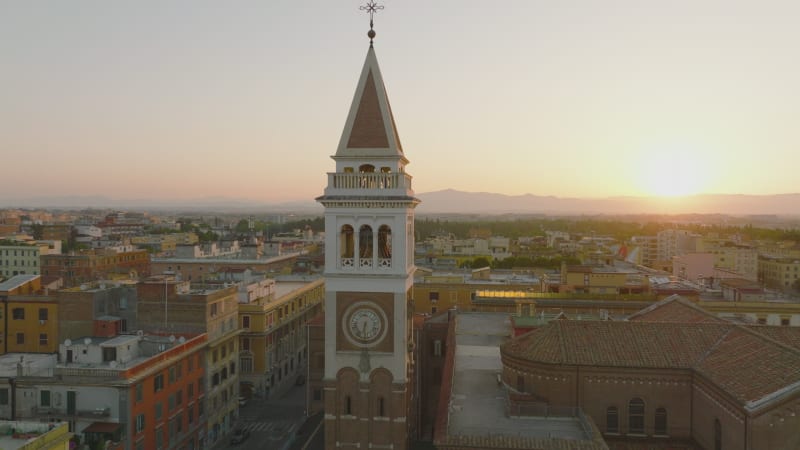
(369, 275)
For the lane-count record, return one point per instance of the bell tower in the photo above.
(369, 275)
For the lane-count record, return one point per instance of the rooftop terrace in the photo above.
(478, 406)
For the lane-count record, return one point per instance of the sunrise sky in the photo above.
(247, 99)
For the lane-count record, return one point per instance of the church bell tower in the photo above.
(369, 275)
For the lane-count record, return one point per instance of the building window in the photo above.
(139, 423)
(433, 297)
(158, 382)
(346, 242)
(612, 420)
(437, 347)
(20, 338)
(317, 396)
(520, 383)
(42, 338)
(44, 398)
(247, 365)
(365, 242)
(636, 416)
(384, 242)
(717, 435)
(159, 410)
(42, 313)
(246, 322)
(660, 426)
(139, 392)
(159, 438)
(348, 405)
(18, 313)
(381, 407)
(246, 344)
(4, 396)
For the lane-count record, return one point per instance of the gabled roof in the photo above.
(370, 129)
(675, 309)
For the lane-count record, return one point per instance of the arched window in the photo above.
(612, 420)
(366, 168)
(346, 242)
(636, 416)
(520, 383)
(660, 425)
(365, 242)
(717, 435)
(384, 242)
(381, 407)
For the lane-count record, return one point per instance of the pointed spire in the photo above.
(370, 129)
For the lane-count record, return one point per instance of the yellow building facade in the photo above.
(273, 340)
(28, 318)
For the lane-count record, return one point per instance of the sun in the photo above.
(672, 171)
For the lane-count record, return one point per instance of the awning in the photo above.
(102, 427)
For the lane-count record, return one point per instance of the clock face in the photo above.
(364, 324)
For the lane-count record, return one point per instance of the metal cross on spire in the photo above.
(371, 7)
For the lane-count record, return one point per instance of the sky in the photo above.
(247, 99)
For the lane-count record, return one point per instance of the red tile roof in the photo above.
(675, 309)
(750, 363)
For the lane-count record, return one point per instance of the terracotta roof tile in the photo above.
(749, 363)
(675, 309)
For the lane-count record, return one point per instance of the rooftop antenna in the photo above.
(371, 7)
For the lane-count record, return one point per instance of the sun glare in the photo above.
(672, 171)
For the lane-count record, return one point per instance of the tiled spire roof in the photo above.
(370, 129)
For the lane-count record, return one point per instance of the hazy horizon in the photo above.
(450, 201)
(198, 99)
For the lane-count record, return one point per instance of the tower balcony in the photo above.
(376, 183)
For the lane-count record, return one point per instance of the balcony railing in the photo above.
(40, 411)
(369, 181)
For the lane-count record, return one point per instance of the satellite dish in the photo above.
(68, 342)
(172, 338)
(87, 340)
(181, 339)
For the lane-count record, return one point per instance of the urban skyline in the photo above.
(192, 100)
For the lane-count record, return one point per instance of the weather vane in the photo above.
(371, 7)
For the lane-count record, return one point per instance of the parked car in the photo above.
(239, 436)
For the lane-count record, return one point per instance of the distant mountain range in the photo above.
(450, 201)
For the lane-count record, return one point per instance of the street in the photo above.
(271, 423)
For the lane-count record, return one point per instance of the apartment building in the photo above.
(273, 342)
(779, 273)
(19, 258)
(126, 392)
(167, 306)
(90, 265)
(27, 316)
